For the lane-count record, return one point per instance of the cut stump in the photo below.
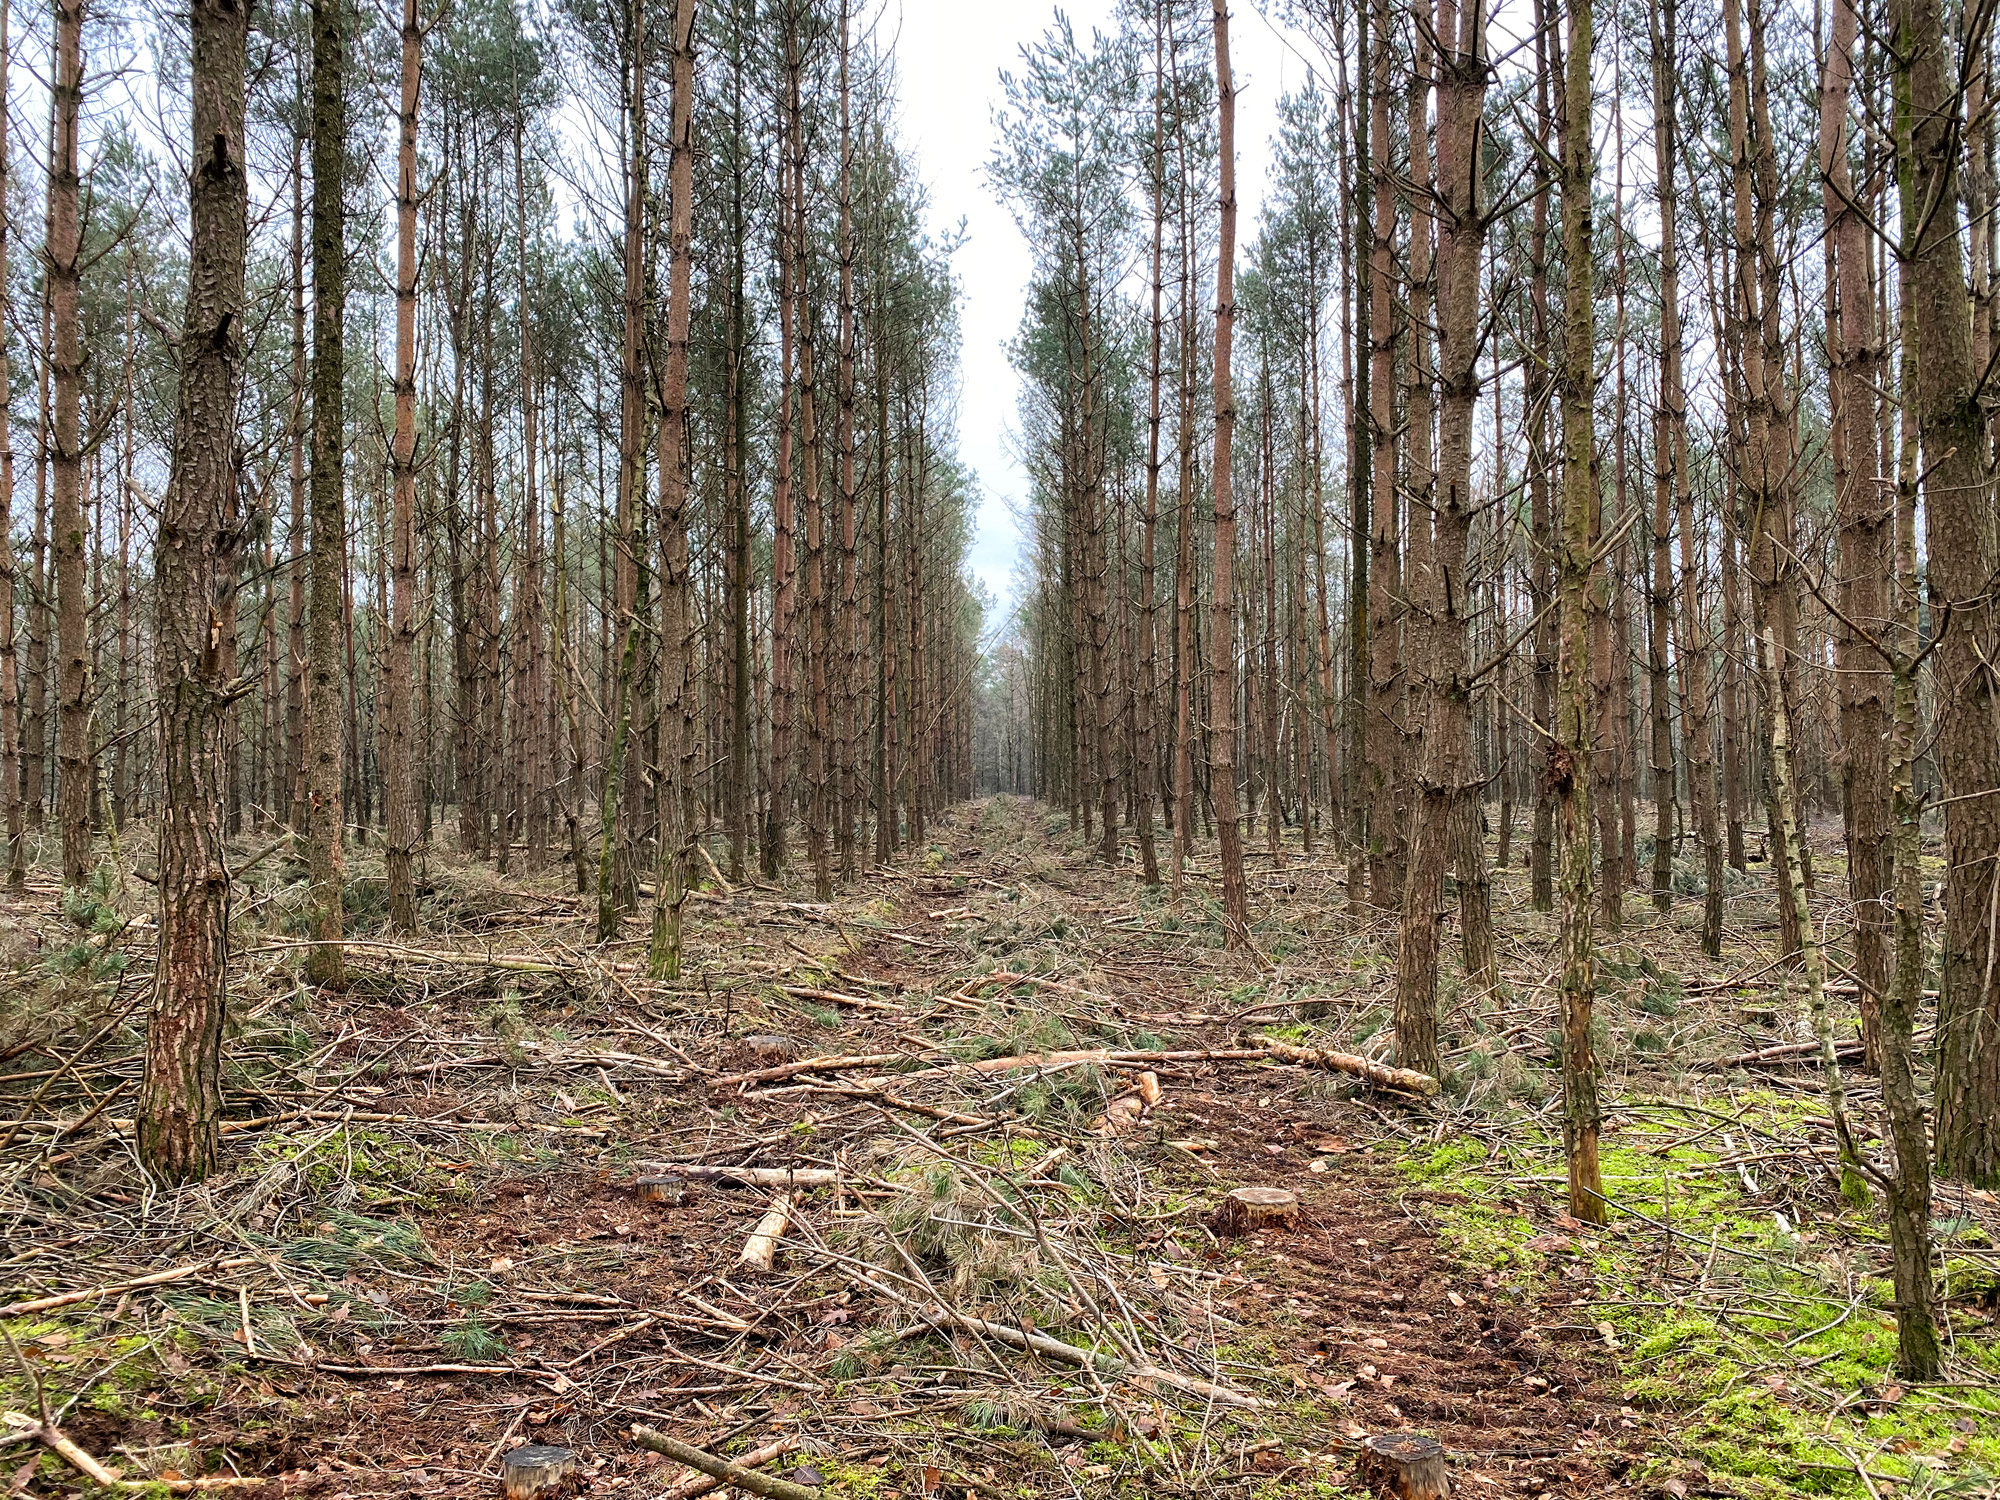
(535, 1469)
(1251, 1210)
(661, 1189)
(769, 1051)
(1407, 1465)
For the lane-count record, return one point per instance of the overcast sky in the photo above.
(949, 56)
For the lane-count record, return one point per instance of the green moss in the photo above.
(1769, 1389)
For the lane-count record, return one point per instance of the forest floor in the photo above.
(426, 1247)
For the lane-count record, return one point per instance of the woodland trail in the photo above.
(430, 1248)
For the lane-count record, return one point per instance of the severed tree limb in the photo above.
(760, 1251)
(1408, 1080)
(1380, 1074)
(1041, 1343)
(777, 1177)
(755, 1459)
(740, 1475)
(840, 1064)
(92, 1468)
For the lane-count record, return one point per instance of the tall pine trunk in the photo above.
(1222, 629)
(325, 679)
(194, 572)
(66, 521)
(398, 768)
(1963, 553)
(1569, 752)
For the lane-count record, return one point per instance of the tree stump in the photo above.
(535, 1469)
(769, 1051)
(1250, 1210)
(1407, 1465)
(661, 1189)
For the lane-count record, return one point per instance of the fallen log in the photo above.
(740, 1475)
(1408, 1080)
(760, 1251)
(1380, 1074)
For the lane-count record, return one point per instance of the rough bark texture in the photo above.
(1446, 777)
(324, 685)
(11, 783)
(180, 1098)
(1569, 752)
(1862, 509)
(1222, 626)
(1381, 714)
(1961, 546)
(679, 746)
(66, 455)
(398, 763)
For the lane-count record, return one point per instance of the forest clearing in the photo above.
(563, 934)
(429, 1244)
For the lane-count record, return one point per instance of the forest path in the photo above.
(446, 1255)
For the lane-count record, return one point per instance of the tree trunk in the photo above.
(399, 774)
(1443, 600)
(613, 819)
(1222, 630)
(180, 1097)
(73, 777)
(12, 781)
(1961, 547)
(1569, 751)
(324, 677)
(679, 747)
(1385, 665)
(1862, 508)
(1696, 740)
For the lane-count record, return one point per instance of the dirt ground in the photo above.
(426, 1247)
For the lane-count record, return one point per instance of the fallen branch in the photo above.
(722, 1469)
(755, 1459)
(777, 1177)
(760, 1251)
(835, 997)
(1380, 1074)
(846, 1063)
(157, 1278)
(1114, 1365)
(92, 1468)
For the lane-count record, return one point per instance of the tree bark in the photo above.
(1569, 752)
(1862, 508)
(194, 573)
(12, 781)
(324, 676)
(399, 773)
(1963, 555)
(1222, 628)
(66, 521)
(679, 748)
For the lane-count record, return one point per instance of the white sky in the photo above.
(949, 57)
